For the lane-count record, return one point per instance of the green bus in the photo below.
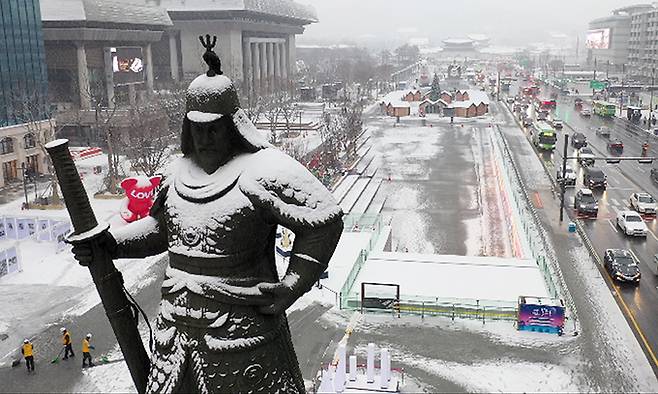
(604, 108)
(544, 136)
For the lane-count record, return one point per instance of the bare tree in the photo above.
(288, 110)
(271, 112)
(148, 140)
(30, 108)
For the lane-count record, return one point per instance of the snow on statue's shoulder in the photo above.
(277, 181)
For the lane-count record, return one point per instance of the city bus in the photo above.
(604, 108)
(544, 136)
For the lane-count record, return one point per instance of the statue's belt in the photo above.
(236, 265)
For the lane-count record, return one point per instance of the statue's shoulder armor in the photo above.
(282, 186)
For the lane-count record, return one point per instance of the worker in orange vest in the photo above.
(86, 345)
(68, 347)
(28, 353)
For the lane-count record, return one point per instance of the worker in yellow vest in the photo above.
(28, 353)
(86, 345)
(68, 347)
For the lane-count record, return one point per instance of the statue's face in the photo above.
(212, 144)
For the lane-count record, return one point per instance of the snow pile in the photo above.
(502, 376)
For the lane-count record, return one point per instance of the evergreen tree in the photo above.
(435, 92)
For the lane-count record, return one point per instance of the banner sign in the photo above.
(541, 318)
(12, 260)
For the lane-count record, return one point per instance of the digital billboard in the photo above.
(598, 39)
(127, 65)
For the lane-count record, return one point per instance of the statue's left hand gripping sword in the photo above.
(107, 278)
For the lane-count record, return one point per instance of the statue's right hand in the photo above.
(87, 251)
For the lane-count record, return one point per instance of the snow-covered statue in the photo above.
(139, 191)
(222, 325)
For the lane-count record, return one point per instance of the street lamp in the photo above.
(24, 171)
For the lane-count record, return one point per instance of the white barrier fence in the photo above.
(22, 228)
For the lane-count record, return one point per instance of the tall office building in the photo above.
(23, 88)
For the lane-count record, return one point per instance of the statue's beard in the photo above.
(210, 160)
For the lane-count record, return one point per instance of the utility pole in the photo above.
(594, 78)
(651, 99)
(562, 178)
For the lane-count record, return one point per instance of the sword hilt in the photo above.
(75, 196)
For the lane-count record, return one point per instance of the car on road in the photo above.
(542, 115)
(585, 156)
(594, 178)
(615, 146)
(632, 224)
(527, 121)
(603, 132)
(643, 203)
(569, 176)
(622, 265)
(578, 140)
(510, 100)
(586, 112)
(557, 123)
(585, 203)
(654, 174)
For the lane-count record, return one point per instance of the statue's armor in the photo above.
(221, 236)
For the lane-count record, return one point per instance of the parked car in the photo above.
(586, 112)
(615, 146)
(622, 266)
(632, 224)
(578, 140)
(585, 203)
(603, 132)
(654, 174)
(594, 178)
(585, 156)
(643, 203)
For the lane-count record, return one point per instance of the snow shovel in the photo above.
(56, 359)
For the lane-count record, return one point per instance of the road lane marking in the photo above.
(614, 208)
(613, 226)
(614, 202)
(653, 235)
(628, 313)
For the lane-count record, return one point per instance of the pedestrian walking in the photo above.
(66, 340)
(86, 345)
(28, 353)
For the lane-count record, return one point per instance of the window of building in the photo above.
(29, 141)
(6, 146)
(10, 170)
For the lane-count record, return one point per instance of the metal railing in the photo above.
(536, 238)
(453, 308)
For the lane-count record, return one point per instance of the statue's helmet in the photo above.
(212, 96)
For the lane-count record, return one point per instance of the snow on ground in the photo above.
(460, 277)
(502, 376)
(113, 377)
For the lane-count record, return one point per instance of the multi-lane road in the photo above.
(639, 303)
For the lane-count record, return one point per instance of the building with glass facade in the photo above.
(22, 61)
(23, 90)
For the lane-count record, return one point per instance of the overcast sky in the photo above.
(507, 22)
